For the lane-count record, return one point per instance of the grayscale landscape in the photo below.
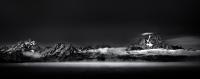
(148, 47)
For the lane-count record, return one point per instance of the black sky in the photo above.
(91, 21)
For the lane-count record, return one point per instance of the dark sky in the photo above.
(95, 21)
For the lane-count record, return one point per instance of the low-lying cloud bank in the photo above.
(186, 41)
(159, 51)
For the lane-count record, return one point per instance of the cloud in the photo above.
(186, 41)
